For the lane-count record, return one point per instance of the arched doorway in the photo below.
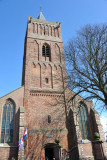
(52, 151)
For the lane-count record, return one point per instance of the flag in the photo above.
(25, 134)
(82, 141)
(22, 140)
(20, 144)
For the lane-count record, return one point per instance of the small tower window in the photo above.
(46, 80)
(49, 119)
(46, 51)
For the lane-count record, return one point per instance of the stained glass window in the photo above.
(83, 120)
(7, 122)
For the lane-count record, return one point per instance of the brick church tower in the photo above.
(43, 78)
(56, 123)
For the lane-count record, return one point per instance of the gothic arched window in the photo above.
(7, 122)
(46, 52)
(83, 120)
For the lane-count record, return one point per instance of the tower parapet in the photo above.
(43, 29)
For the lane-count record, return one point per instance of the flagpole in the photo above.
(27, 147)
(22, 153)
(27, 144)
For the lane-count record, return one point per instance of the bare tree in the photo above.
(86, 58)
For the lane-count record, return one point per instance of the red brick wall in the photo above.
(8, 152)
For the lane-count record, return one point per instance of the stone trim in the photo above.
(6, 145)
(47, 130)
(51, 95)
(41, 21)
(45, 63)
(50, 91)
(87, 157)
(22, 110)
(46, 93)
(46, 38)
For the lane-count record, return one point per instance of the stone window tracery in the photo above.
(7, 122)
(83, 121)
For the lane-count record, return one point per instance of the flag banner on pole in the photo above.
(25, 134)
(20, 144)
(22, 140)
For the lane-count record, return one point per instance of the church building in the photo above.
(57, 128)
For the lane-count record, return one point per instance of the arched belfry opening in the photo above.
(52, 151)
(46, 52)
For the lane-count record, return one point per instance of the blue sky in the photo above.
(73, 14)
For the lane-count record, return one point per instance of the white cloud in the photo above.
(104, 124)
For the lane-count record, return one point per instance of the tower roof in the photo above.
(41, 16)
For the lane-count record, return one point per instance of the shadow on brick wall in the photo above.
(13, 155)
(72, 137)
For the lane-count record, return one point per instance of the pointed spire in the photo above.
(41, 16)
(40, 9)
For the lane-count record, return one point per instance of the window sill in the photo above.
(6, 145)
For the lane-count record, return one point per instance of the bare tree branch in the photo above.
(86, 58)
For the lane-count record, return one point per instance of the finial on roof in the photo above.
(40, 9)
(41, 16)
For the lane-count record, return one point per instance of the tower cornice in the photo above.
(44, 37)
(30, 19)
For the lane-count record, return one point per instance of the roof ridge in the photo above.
(11, 91)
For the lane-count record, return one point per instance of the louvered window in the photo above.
(46, 52)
